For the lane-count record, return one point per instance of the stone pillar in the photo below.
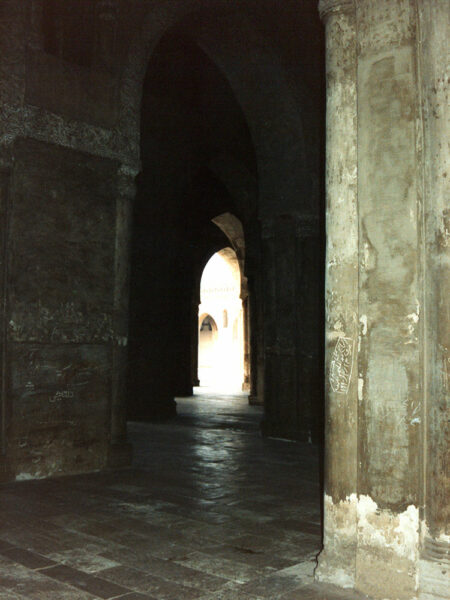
(246, 385)
(310, 325)
(291, 267)
(434, 26)
(337, 562)
(280, 325)
(119, 450)
(194, 335)
(253, 276)
(256, 396)
(4, 217)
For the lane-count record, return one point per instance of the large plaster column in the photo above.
(402, 305)
(337, 562)
(434, 25)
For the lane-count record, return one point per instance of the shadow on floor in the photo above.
(210, 511)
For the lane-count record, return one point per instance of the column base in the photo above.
(434, 568)
(331, 568)
(254, 400)
(337, 561)
(369, 548)
(185, 393)
(245, 386)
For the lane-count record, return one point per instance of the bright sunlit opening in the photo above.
(221, 337)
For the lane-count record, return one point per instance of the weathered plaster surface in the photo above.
(434, 24)
(341, 273)
(402, 378)
(387, 550)
(388, 362)
(337, 563)
(384, 555)
(49, 388)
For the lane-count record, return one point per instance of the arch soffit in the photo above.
(260, 88)
(230, 254)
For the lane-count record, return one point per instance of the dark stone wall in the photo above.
(227, 121)
(59, 308)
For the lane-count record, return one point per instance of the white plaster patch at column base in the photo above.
(371, 549)
(336, 562)
(383, 529)
(387, 555)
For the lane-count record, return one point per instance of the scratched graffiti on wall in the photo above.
(341, 365)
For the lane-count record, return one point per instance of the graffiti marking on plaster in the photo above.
(341, 365)
(60, 394)
(363, 321)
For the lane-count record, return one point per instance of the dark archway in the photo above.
(191, 124)
(224, 130)
(221, 366)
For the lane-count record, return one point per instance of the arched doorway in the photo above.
(217, 139)
(221, 346)
(207, 349)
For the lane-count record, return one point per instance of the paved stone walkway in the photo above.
(209, 511)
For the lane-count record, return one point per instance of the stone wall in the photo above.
(70, 148)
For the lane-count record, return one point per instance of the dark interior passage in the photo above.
(140, 137)
(190, 122)
(219, 136)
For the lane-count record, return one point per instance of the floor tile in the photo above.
(209, 510)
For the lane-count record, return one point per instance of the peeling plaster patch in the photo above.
(358, 532)
(28, 476)
(360, 388)
(414, 317)
(363, 321)
(366, 253)
(384, 529)
(412, 328)
(336, 561)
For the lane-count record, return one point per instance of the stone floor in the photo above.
(209, 511)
